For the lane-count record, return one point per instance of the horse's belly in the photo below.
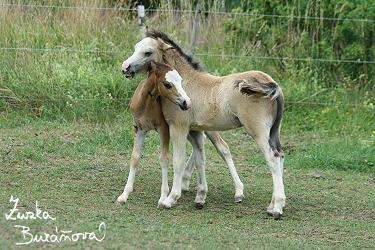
(213, 125)
(145, 123)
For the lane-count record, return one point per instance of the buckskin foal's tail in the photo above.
(271, 90)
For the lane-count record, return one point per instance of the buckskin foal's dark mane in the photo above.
(189, 59)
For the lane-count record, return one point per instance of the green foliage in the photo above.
(56, 82)
(309, 38)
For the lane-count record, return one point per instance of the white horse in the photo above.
(250, 99)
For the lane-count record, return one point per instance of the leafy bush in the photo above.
(312, 37)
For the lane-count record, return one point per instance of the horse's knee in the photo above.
(164, 160)
(135, 158)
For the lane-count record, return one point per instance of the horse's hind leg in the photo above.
(275, 162)
(275, 159)
(164, 161)
(189, 168)
(139, 137)
(196, 139)
(223, 150)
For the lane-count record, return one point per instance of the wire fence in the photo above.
(192, 11)
(199, 55)
(77, 100)
(358, 61)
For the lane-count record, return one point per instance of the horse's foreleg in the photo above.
(223, 150)
(179, 150)
(197, 141)
(139, 137)
(164, 161)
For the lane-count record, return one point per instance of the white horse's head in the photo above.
(147, 50)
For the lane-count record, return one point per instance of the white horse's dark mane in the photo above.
(189, 59)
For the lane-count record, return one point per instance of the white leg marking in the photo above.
(139, 138)
(164, 163)
(275, 162)
(179, 151)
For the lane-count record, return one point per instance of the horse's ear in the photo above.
(153, 64)
(164, 46)
(165, 59)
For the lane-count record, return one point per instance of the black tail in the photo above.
(274, 140)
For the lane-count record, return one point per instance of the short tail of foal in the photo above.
(271, 90)
(252, 86)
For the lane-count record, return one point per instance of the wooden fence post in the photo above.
(141, 19)
(198, 12)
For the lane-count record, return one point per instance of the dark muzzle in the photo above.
(183, 106)
(128, 74)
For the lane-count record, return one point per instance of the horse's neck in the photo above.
(179, 63)
(148, 93)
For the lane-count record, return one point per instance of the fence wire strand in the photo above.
(10, 99)
(198, 55)
(68, 50)
(67, 7)
(193, 11)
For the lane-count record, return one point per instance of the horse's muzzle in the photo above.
(128, 74)
(184, 105)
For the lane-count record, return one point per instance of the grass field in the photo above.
(75, 171)
(66, 141)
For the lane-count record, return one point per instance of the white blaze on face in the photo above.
(175, 78)
(143, 45)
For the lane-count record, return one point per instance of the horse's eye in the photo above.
(167, 85)
(148, 53)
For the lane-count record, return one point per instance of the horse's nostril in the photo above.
(123, 71)
(184, 105)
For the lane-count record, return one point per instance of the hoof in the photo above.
(120, 202)
(199, 205)
(162, 206)
(239, 199)
(275, 216)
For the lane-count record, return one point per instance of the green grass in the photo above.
(76, 171)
